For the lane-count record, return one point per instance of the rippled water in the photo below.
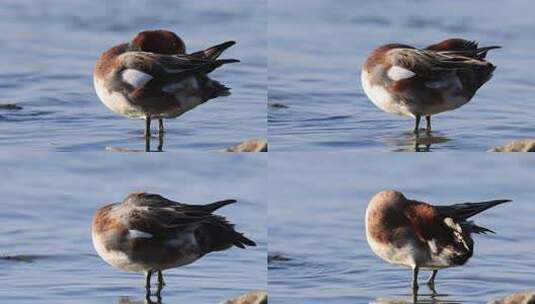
(49, 48)
(49, 200)
(316, 49)
(316, 227)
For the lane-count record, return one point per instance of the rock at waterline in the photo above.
(524, 297)
(252, 145)
(255, 297)
(523, 145)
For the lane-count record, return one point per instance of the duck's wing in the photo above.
(157, 201)
(442, 235)
(213, 52)
(467, 48)
(460, 213)
(208, 208)
(139, 68)
(162, 222)
(425, 221)
(216, 233)
(212, 232)
(425, 63)
(439, 70)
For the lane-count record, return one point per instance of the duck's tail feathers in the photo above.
(210, 208)
(241, 241)
(481, 230)
(213, 52)
(466, 210)
(481, 53)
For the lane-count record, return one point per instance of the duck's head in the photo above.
(158, 41)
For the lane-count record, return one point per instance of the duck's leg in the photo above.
(147, 134)
(160, 142)
(415, 279)
(431, 281)
(148, 274)
(428, 124)
(147, 126)
(416, 123)
(161, 130)
(161, 282)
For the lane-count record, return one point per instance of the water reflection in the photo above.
(409, 142)
(432, 298)
(147, 300)
(159, 148)
(160, 143)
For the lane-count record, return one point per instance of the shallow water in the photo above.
(317, 207)
(49, 48)
(49, 200)
(317, 47)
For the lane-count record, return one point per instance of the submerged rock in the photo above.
(277, 257)
(10, 106)
(19, 258)
(252, 145)
(277, 105)
(524, 297)
(255, 297)
(522, 145)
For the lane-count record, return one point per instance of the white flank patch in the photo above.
(136, 78)
(138, 234)
(397, 73)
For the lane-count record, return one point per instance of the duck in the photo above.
(404, 80)
(152, 77)
(149, 233)
(420, 235)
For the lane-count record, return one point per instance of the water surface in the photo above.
(49, 48)
(317, 47)
(316, 226)
(49, 200)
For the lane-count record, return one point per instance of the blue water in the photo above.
(317, 203)
(49, 200)
(317, 47)
(49, 48)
